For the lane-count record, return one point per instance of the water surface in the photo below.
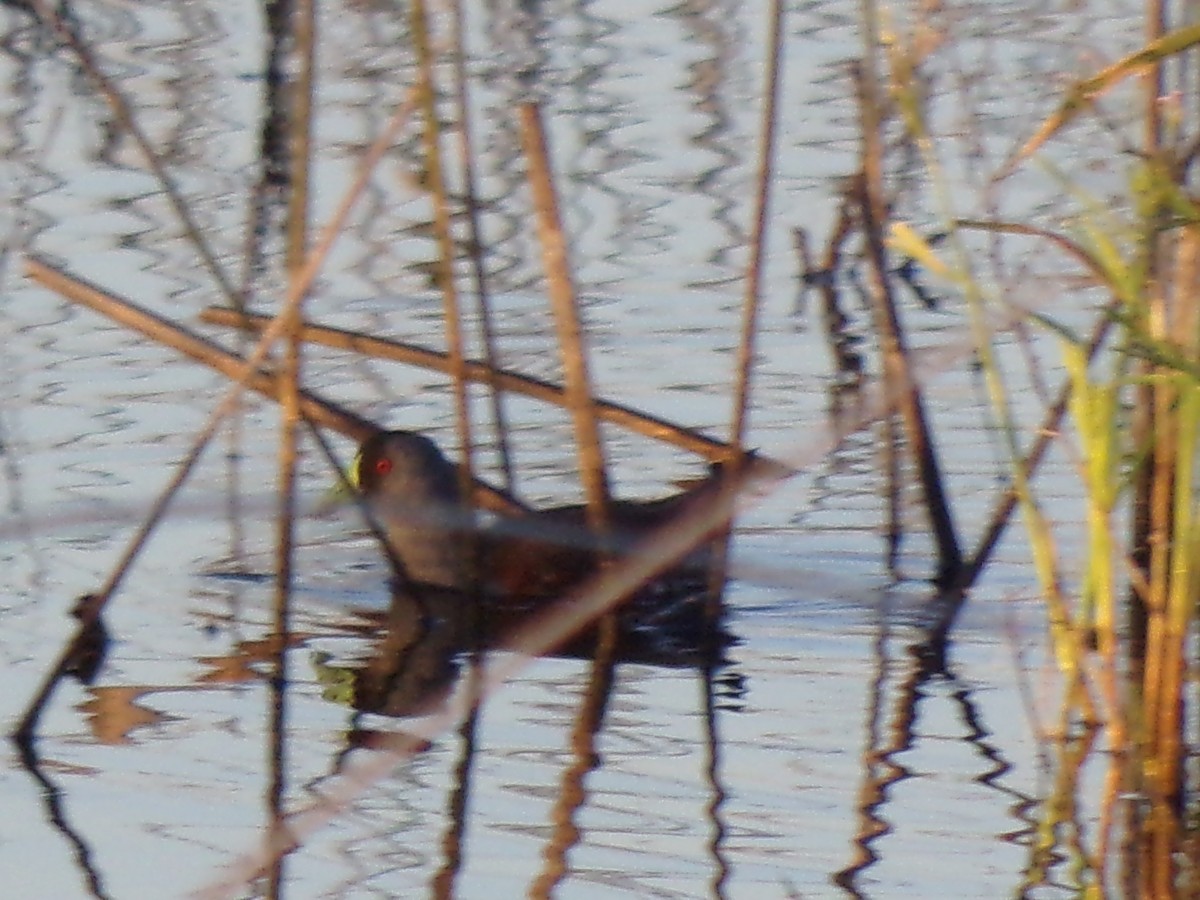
(833, 766)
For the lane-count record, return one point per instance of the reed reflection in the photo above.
(892, 730)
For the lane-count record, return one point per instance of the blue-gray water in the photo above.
(839, 773)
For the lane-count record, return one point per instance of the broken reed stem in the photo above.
(487, 332)
(123, 113)
(565, 307)
(397, 351)
(893, 344)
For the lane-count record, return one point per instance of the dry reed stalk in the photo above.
(752, 299)
(397, 351)
(564, 304)
(123, 113)
(1171, 602)
(1142, 526)
(443, 886)
(565, 307)
(1152, 527)
(300, 29)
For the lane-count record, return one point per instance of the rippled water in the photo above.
(833, 766)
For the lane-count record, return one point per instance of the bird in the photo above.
(414, 491)
(522, 563)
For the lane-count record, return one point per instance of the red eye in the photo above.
(383, 466)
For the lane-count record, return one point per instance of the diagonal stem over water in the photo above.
(297, 289)
(892, 338)
(504, 379)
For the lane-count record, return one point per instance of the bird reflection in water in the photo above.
(426, 634)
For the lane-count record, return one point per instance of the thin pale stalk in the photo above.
(752, 299)
(444, 264)
(889, 452)
(487, 333)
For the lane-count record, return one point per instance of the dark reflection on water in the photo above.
(827, 756)
(425, 636)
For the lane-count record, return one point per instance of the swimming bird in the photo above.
(413, 491)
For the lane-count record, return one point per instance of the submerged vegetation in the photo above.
(1127, 413)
